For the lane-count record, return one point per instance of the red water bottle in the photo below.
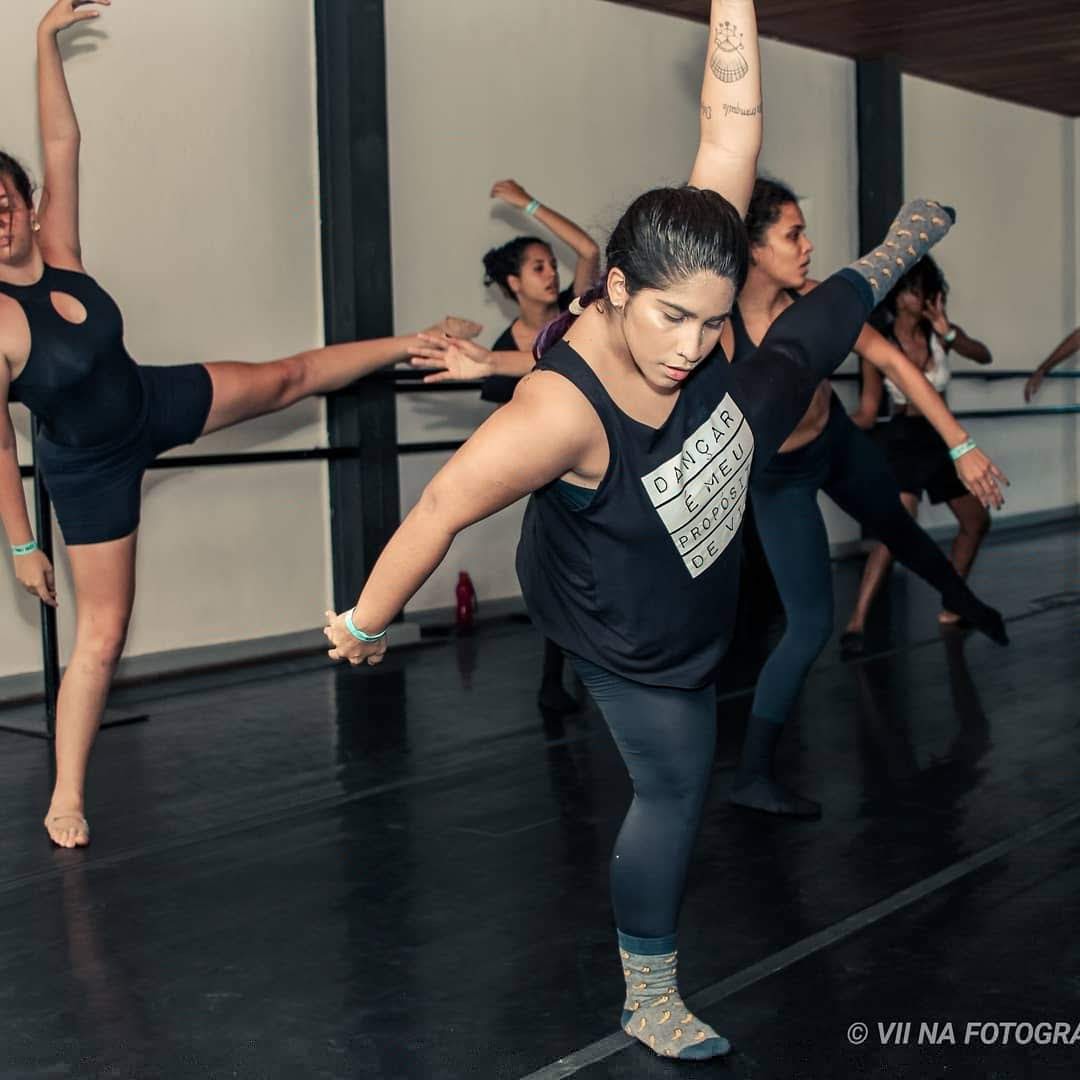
(466, 603)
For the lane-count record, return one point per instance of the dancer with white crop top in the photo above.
(919, 459)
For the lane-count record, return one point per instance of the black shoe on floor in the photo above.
(852, 644)
(768, 797)
(554, 698)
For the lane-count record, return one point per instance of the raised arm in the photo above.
(1062, 353)
(731, 105)
(540, 435)
(977, 472)
(58, 210)
(953, 336)
(574, 236)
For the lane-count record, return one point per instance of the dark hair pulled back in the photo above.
(502, 262)
(665, 237)
(11, 167)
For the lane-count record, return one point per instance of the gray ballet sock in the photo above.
(917, 228)
(654, 1012)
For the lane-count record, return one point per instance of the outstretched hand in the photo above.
(981, 476)
(65, 13)
(1031, 387)
(455, 326)
(457, 359)
(35, 574)
(510, 191)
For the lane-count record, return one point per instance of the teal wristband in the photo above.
(359, 634)
(957, 452)
(951, 336)
(532, 207)
(24, 549)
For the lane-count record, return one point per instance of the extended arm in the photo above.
(978, 473)
(540, 435)
(1062, 353)
(58, 210)
(574, 236)
(731, 105)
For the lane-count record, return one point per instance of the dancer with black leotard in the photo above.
(526, 271)
(826, 452)
(103, 417)
(637, 441)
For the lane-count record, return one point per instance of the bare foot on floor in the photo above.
(67, 828)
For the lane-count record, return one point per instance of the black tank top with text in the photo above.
(643, 580)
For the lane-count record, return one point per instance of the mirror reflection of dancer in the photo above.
(636, 443)
(103, 417)
(826, 452)
(526, 270)
(1062, 353)
(918, 455)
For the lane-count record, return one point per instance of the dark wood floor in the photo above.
(301, 871)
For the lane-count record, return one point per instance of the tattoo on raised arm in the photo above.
(706, 111)
(738, 110)
(728, 63)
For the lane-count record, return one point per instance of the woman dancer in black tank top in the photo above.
(637, 445)
(826, 452)
(103, 417)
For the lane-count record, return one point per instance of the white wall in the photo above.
(1012, 266)
(587, 104)
(200, 214)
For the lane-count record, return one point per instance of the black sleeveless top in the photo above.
(500, 388)
(644, 579)
(79, 380)
(744, 347)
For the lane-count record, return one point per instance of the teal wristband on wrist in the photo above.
(359, 634)
(957, 452)
(951, 336)
(532, 207)
(24, 549)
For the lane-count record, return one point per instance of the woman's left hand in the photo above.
(65, 13)
(347, 647)
(981, 477)
(460, 361)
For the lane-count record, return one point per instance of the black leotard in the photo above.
(79, 381)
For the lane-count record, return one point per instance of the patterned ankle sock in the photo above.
(917, 228)
(654, 1012)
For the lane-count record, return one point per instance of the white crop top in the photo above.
(937, 373)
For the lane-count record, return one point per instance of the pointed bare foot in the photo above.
(68, 829)
(948, 618)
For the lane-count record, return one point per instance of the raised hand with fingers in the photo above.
(512, 193)
(65, 13)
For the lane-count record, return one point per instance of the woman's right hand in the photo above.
(982, 478)
(510, 191)
(65, 13)
(35, 575)
(1031, 387)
